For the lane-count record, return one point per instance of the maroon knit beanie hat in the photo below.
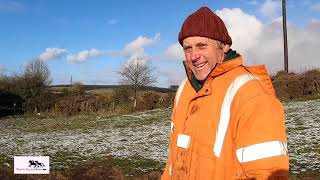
(204, 23)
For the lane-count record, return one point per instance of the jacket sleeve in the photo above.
(166, 174)
(167, 171)
(261, 142)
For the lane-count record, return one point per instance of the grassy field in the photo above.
(136, 142)
(303, 128)
(139, 138)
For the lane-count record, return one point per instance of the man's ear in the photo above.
(226, 48)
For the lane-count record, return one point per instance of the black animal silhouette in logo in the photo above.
(35, 164)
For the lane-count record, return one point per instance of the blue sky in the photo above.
(90, 39)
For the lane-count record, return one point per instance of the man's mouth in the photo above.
(200, 66)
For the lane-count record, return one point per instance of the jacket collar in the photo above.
(226, 66)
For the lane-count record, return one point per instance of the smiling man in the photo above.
(226, 122)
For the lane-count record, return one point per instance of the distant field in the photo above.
(100, 91)
(139, 138)
(113, 87)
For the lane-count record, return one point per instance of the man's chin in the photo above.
(200, 77)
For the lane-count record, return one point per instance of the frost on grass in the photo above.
(80, 138)
(303, 129)
(138, 137)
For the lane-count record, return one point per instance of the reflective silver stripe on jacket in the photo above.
(179, 91)
(261, 150)
(225, 110)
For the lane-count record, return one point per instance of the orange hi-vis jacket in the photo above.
(233, 128)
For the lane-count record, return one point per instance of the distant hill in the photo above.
(144, 88)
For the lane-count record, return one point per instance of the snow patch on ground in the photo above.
(143, 134)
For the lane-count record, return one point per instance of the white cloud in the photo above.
(173, 76)
(113, 21)
(315, 7)
(271, 8)
(105, 80)
(52, 53)
(136, 48)
(263, 43)
(174, 52)
(3, 69)
(306, 2)
(243, 28)
(251, 2)
(303, 45)
(132, 50)
(84, 55)
(10, 5)
(313, 20)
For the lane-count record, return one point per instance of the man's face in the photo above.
(202, 54)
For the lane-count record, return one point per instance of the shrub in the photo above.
(77, 104)
(148, 101)
(312, 79)
(296, 86)
(77, 88)
(122, 95)
(30, 85)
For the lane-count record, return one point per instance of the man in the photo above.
(226, 122)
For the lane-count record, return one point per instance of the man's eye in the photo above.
(186, 48)
(202, 46)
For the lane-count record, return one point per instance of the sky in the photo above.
(90, 40)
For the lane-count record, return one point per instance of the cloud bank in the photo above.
(52, 53)
(84, 55)
(10, 6)
(271, 8)
(3, 69)
(174, 52)
(174, 76)
(315, 7)
(263, 43)
(113, 21)
(133, 50)
(136, 48)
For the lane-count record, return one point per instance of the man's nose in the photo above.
(195, 54)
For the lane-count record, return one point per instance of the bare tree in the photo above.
(38, 70)
(36, 78)
(31, 85)
(136, 73)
